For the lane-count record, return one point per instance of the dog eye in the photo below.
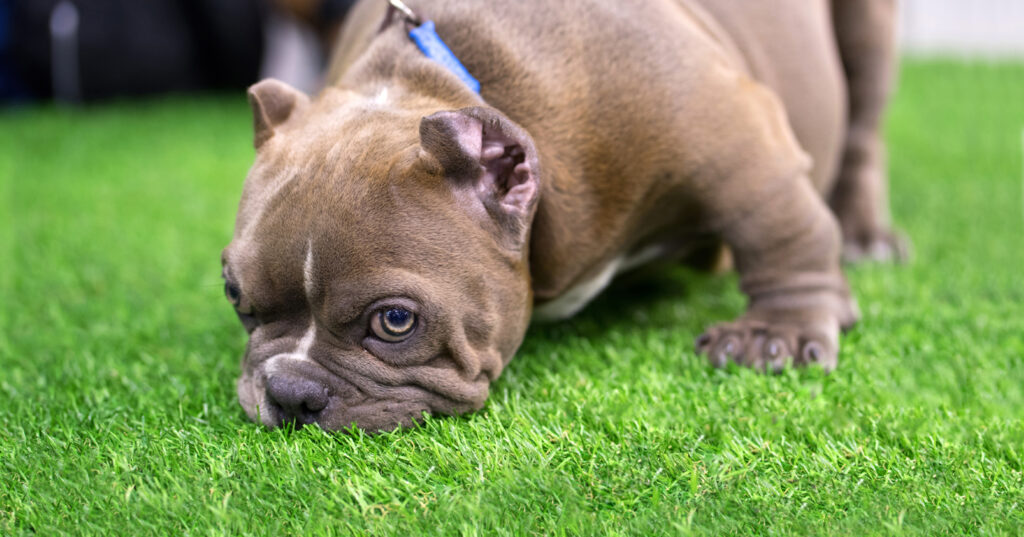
(393, 324)
(233, 293)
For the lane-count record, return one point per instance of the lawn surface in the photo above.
(118, 359)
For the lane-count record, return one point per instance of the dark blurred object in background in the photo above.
(324, 16)
(82, 50)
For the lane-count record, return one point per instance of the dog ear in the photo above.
(487, 155)
(272, 102)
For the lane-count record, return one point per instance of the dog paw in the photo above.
(880, 246)
(767, 347)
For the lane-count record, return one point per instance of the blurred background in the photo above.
(86, 50)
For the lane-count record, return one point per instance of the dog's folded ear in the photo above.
(486, 154)
(272, 103)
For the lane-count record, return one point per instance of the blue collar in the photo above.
(433, 47)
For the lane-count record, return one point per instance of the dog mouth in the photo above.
(283, 392)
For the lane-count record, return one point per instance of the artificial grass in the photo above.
(118, 358)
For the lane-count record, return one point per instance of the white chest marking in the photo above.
(573, 300)
(578, 296)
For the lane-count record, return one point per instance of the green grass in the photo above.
(118, 358)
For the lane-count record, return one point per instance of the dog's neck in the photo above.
(394, 72)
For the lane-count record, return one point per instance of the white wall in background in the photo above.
(292, 54)
(964, 27)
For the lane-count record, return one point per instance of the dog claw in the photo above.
(774, 348)
(726, 349)
(813, 352)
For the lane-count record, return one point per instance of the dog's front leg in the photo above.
(784, 239)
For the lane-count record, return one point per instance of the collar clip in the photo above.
(431, 44)
(407, 13)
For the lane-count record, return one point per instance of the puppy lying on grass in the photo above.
(397, 232)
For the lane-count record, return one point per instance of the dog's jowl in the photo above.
(398, 231)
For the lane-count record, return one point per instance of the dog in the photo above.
(398, 232)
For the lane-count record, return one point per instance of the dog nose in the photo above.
(296, 398)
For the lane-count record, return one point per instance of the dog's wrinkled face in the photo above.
(378, 261)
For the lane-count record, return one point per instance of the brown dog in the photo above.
(396, 232)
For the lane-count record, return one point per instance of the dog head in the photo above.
(379, 260)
